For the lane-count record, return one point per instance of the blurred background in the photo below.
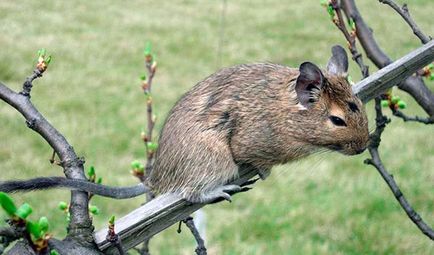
(327, 204)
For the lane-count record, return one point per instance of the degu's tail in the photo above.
(41, 183)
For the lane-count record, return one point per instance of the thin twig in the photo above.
(201, 249)
(28, 83)
(405, 14)
(406, 118)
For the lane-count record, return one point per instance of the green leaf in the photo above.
(152, 146)
(48, 60)
(143, 77)
(112, 220)
(42, 52)
(148, 49)
(431, 77)
(385, 103)
(331, 11)
(8, 204)
(99, 180)
(43, 224)
(431, 66)
(352, 24)
(94, 210)
(34, 229)
(24, 211)
(91, 171)
(62, 206)
(54, 252)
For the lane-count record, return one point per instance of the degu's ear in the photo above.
(338, 63)
(309, 84)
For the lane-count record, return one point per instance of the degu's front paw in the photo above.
(220, 193)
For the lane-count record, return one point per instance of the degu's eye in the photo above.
(337, 121)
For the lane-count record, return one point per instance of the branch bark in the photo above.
(80, 225)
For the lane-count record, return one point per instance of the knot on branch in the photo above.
(72, 163)
(27, 86)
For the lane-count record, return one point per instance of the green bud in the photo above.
(43, 224)
(54, 252)
(99, 180)
(431, 77)
(331, 11)
(34, 229)
(352, 24)
(402, 104)
(385, 103)
(152, 146)
(91, 171)
(395, 99)
(62, 206)
(94, 209)
(112, 220)
(143, 77)
(431, 66)
(24, 211)
(8, 204)
(135, 164)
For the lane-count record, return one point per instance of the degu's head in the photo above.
(328, 99)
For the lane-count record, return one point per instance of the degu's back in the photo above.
(258, 114)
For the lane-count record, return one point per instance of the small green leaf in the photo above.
(62, 206)
(48, 60)
(431, 77)
(24, 211)
(42, 52)
(152, 146)
(143, 77)
(385, 103)
(352, 24)
(43, 224)
(431, 66)
(54, 252)
(94, 210)
(148, 49)
(91, 171)
(331, 11)
(402, 104)
(34, 229)
(8, 204)
(112, 220)
(99, 180)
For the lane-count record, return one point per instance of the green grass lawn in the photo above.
(327, 204)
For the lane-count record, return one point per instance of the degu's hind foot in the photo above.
(220, 193)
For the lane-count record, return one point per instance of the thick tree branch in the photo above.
(80, 224)
(412, 85)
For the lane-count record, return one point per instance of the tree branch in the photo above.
(412, 85)
(405, 14)
(80, 225)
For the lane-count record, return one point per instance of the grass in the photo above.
(327, 204)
